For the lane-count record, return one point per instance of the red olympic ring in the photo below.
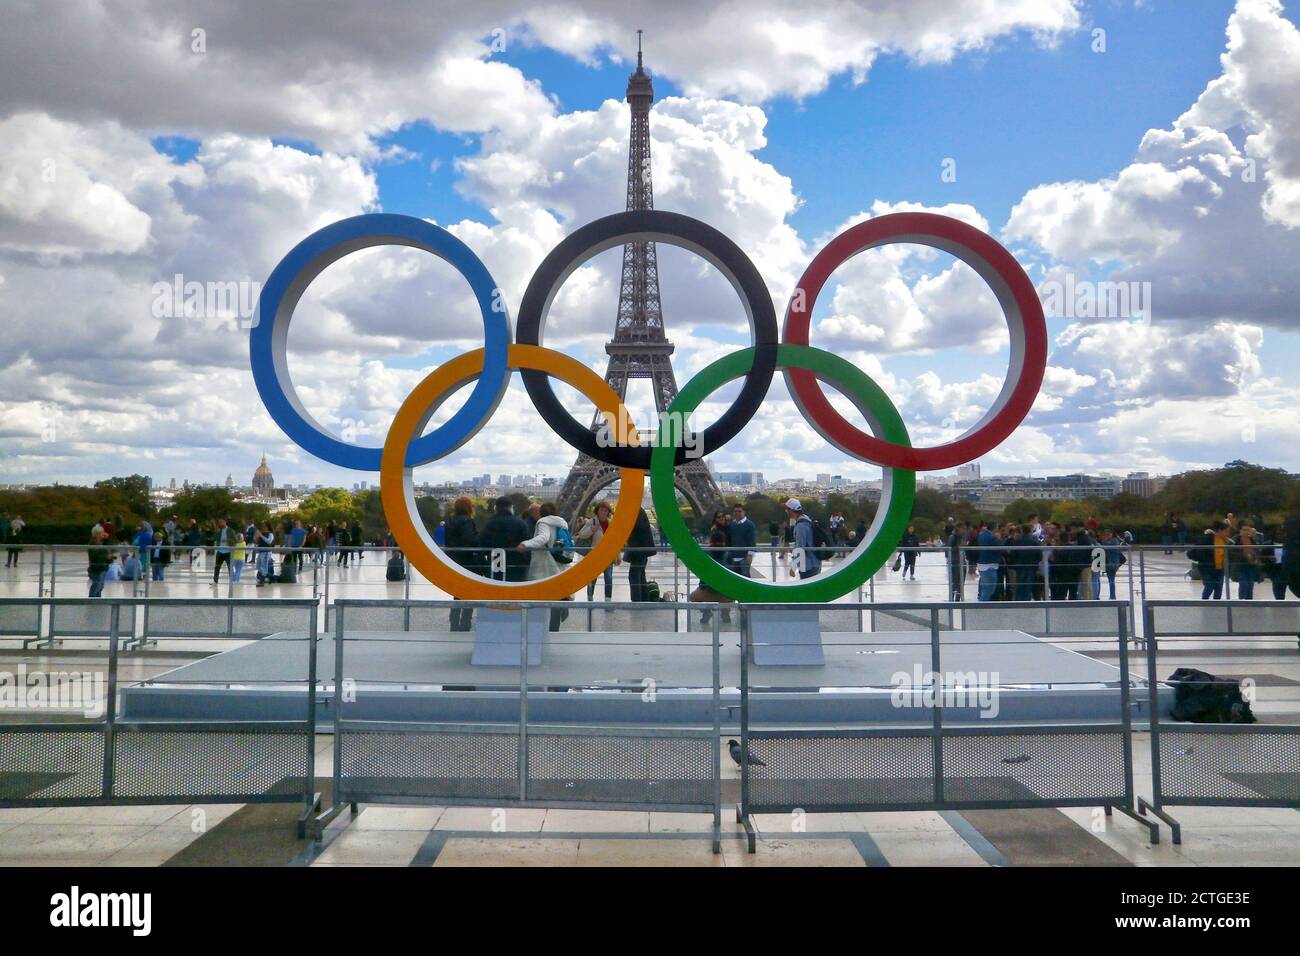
(1020, 305)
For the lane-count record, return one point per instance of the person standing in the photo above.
(144, 546)
(99, 557)
(238, 555)
(955, 541)
(546, 535)
(987, 561)
(463, 547)
(297, 539)
(1114, 550)
(911, 541)
(1208, 556)
(808, 562)
(357, 538)
(264, 540)
(1024, 559)
(160, 556)
(224, 539)
(743, 540)
(592, 530)
(503, 532)
(640, 546)
(13, 547)
(1248, 559)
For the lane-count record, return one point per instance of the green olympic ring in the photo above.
(898, 490)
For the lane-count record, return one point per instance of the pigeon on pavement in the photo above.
(733, 747)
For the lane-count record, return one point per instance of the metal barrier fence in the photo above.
(627, 765)
(112, 761)
(935, 764)
(1219, 764)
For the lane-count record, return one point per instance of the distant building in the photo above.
(263, 480)
(968, 472)
(754, 478)
(1139, 483)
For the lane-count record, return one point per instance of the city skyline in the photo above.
(126, 334)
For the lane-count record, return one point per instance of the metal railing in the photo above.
(935, 764)
(118, 761)
(1219, 764)
(522, 762)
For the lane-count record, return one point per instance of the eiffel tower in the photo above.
(639, 349)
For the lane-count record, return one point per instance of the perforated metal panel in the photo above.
(653, 769)
(998, 616)
(1255, 767)
(917, 620)
(372, 618)
(21, 619)
(471, 764)
(1248, 618)
(1027, 768)
(89, 620)
(197, 619)
(165, 763)
(1189, 620)
(51, 764)
(267, 619)
(837, 771)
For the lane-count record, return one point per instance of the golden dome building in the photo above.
(263, 480)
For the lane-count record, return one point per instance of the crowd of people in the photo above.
(120, 553)
(1079, 560)
(1011, 561)
(537, 545)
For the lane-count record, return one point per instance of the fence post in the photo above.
(1132, 607)
(1126, 712)
(717, 731)
(744, 710)
(1142, 585)
(54, 564)
(309, 785)
(110, 701)
(338, 703)
(1153, 695)
(936, 712)
(326, 561)
(406, 595)
(523, 701)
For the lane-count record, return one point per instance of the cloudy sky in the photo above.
(1155, 143)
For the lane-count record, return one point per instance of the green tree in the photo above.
(135, 489)
(327, 505)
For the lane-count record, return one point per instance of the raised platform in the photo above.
(638, 678)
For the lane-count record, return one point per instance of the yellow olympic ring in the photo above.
(397, 490)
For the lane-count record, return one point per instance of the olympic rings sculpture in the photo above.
(804, 367)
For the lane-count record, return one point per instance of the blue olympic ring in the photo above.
(268, 340)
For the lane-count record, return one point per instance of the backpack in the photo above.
(562, 546)
(821, 544)
(1203, 698)
(396, 569)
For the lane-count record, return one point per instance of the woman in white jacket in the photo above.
(542, 563)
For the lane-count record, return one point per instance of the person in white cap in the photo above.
(809, 563)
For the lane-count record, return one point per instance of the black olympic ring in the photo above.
(650, 225)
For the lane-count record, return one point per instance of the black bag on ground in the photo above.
(396, 568)
(652, 591)
(1205, 699)
(288, 571)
